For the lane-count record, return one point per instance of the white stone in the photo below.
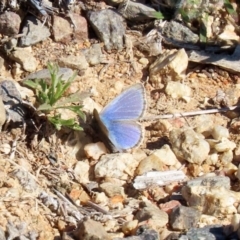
(178, 90)
(171, 64)
(235, 222)
(143, 61)
(218, 132)
(89, 105)
(81, 171)
(229, 33)
(100, 198)
(95, 150)
(222, 145)
(25, 58)
(189, 145)
(129, 227)
(226, 157)
(212, 159)
(238, 172)
(5, 148)
(165, 155)
(120, 166)
(118, 86)
(204, 124)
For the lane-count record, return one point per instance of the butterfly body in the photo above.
(117, 122)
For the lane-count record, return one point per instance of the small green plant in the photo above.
(50, 96)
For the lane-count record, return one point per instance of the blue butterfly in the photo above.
(117, 123)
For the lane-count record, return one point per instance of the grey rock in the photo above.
(210, 181)
(182, 218)
(212, 232)
(223, 60)
(65, 73)
(15, 107)
(143, 233)
(26, 180)
(34, 31)
(109, 27)
(179, 33)
(93, 54)
(9, 23)
(158, 217)
(191, 190)
(9, 92)
(135, 11)
(16, 231)
(10, 45)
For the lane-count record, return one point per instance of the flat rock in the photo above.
(136, 11)
(223, 60)
(65, 73)
(182, 217)
(78, 62)
(34, 31)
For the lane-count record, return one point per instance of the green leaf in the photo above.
(76, 97)
(32, 84)
(45, 107)
(59, 123)
(203, 28)
(157, 15)
(51, 97)
(229, 7)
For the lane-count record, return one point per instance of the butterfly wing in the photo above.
(129, 105)
(125, 134)
(117, 122)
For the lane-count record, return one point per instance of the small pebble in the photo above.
(143, 61)
(129, 227)
(95, 150)
(218, 132)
